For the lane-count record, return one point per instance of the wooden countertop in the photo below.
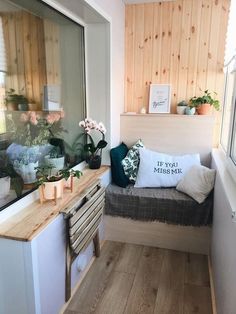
(26, 224)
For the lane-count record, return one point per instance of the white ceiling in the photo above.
(143, 1)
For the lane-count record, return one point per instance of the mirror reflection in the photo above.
(42, 94)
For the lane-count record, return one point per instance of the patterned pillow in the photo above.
(131, 162)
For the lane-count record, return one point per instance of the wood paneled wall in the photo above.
(179, 42)
(25, 49)
(52, 49)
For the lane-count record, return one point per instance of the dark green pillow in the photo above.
(118, 176)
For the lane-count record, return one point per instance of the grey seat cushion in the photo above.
(161, 204)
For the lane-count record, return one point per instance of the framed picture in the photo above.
(159, 98)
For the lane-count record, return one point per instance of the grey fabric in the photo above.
(161, 204)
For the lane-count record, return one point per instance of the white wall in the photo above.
(223, 252)
(115, 9)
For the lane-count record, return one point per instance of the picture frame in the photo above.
(159, 98)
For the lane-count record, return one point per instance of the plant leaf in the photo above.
(101, 144)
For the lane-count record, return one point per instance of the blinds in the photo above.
(230, 48)
(3, 63)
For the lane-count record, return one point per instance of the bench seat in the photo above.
(157, 204)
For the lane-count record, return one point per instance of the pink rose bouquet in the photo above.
(34, 128)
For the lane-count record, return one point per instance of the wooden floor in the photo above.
(132, 279)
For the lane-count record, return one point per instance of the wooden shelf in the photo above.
(169, 115)
(26, 224)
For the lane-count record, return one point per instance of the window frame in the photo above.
(230, 162)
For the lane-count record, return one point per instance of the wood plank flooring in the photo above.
(136, 279)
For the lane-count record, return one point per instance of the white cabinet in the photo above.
(32, 274)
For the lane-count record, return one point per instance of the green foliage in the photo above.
(205, 99)
(12, 97)
(66, 173)
(91, 148)
(44, 174)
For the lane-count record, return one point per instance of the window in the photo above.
(228, 130)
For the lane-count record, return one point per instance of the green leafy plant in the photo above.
(44, 174)
(66, 173)
(12, 97)
(207, 98)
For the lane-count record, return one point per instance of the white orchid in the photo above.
(89, 124)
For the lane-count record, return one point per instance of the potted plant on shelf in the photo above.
(190, 110)
(52, 185)
(203, 104)
(69, 175)
(55, 159)
(15, 101)
(93, 152)
(181, 106)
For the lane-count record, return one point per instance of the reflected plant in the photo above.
(34, 129)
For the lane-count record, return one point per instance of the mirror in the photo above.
(42, 93)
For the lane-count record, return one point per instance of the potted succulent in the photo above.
(203, 104)
(93, 152)
(55, 159)
(15, 101)
(190, 110)
(181, 106)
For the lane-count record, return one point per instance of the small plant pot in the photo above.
(190, 111)
(56, 163)
(5, 184)
(95, 162)
(11, 106)
(204, 109)
(52, 190)
(181, 109)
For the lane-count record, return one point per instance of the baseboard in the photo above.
(174, 237)
(213, 298)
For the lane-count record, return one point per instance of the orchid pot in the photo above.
(92, 151)
(95, 162)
